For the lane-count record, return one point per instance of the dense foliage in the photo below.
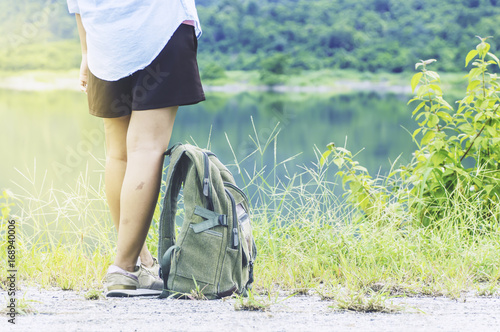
(367, 35)
(457, 150)
(360, 34)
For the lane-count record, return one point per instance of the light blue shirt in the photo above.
(126, 35)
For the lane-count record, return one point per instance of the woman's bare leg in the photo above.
(116, 164)
(115, 130)
(147, 137)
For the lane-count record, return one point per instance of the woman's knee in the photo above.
(146, 149)
(150, 131)
(118, 155)
(115, 130)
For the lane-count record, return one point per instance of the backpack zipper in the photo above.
(207, 192)
(234, 235)
(236, 188)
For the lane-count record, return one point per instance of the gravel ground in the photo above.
(58, 310)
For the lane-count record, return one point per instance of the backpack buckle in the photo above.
(222, 220)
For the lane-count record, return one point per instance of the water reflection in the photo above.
(54, 129)
(365, 120)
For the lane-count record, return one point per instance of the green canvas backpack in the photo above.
(215, 249)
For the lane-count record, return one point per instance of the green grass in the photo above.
(308, 241)
(58, 55)
(362, 302)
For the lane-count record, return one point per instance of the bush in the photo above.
(274, 68)
(447, 140)
(212, 71)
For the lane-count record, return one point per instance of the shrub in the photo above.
(447, 140)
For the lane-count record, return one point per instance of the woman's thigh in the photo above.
(150, 130)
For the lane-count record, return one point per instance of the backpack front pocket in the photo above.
(227, 285)
(199, 256)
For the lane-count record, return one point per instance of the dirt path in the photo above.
(70, 311)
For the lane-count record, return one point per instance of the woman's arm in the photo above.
(84, 69)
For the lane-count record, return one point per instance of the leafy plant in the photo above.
(448, 137)
(361, 189)
(447, 140)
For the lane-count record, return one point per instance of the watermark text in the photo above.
(11, 271)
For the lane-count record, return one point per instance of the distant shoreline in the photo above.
(331, 82)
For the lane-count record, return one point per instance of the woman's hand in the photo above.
(84, 73)
(84, 68)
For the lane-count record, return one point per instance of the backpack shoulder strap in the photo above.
(182, 156)
(175, 176)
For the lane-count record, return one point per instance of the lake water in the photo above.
(49, 134)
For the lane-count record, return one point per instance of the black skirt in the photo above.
(171, 79)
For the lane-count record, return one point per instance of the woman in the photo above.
(138, 66)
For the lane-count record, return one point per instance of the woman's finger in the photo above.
(83, 85)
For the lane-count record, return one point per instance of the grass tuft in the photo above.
(197, 293)
(23, 306)
(366, 303)
(253, 302)
(94, 294)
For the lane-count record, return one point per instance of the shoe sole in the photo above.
(132, 292)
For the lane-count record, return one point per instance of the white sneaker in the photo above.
(121, 283)
(153, 270)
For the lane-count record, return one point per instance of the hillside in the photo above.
(365, 35)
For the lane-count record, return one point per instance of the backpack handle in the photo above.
(170, 149)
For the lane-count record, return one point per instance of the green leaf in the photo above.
(471, 55)
(436, 88)
(412, 100)
(469, 99)
(345, 151)
(483, 49)
(438, 144)
(435, 76)
(422, 91)
(415, 80)
(445, 116)
(361, 169)
(438, 157)
(466, 128)
(433, 120)
(421, 114)
(485, 144)
(324, 156)
(416, 132)
(473, 84)
(429, 61)
(474, 72)
(478, 117)
(477, 143)
(428, 137)
(339, 162)
(422, 104)
(446, 105)
(492, 131)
